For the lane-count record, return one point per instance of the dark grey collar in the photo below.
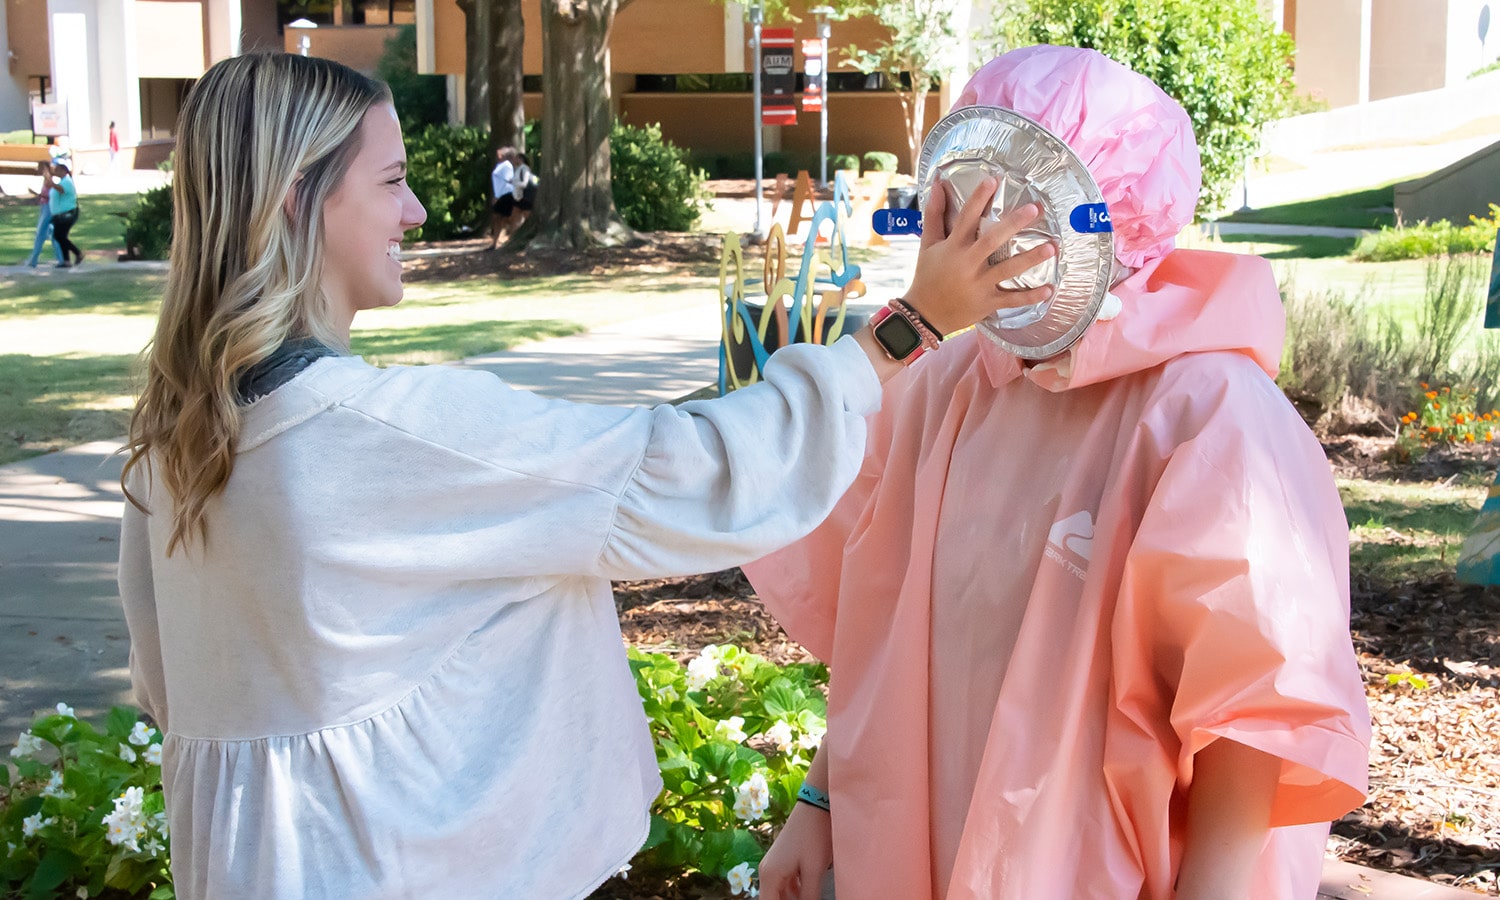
(284, 364)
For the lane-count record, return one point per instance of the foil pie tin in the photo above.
(1032, 165)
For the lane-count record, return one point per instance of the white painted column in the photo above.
(734, 37)
(75, 73)
(224, 27)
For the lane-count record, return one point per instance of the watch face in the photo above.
(898, 337)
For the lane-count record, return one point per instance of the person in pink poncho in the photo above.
(1087, 619)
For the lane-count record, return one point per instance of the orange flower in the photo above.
(1436, 405)
(1468, 438)
(1445, 390)
(1424, 385)
(1432, 395)
(1489, 435)
(1433, 429)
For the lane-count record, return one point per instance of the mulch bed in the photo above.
(1434, 807)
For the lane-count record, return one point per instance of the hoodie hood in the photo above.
(1189, 301)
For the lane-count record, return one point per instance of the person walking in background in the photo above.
(504, 192)
(114, 147)
(523, 187)
(64, 203)
(44, 218)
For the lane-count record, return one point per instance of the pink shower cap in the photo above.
(1135, 140)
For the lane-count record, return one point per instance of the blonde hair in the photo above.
(244, 275)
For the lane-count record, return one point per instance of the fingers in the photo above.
(1008, 226)
(934, 227)
(977, 207)
(1015, 266)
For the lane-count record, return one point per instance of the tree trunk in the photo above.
(507, 114)
(575, 207)
(916, 114)
(479, 37)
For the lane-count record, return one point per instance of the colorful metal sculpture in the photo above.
(811, 306)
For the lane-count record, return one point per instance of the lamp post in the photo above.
(823, 12)
(757, 16)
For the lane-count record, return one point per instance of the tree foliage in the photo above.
(1223, 60)
(919, 52)
(420, 100)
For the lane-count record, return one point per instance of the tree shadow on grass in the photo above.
(51, 402)
(420, 344)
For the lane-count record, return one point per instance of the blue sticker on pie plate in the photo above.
(1090, 218)
(896, 221)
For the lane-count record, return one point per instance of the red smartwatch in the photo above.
(902, 332)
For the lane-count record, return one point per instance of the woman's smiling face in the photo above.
(364, 220)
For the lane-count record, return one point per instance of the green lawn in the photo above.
(1370, 208)
(68, 340)
(100, 231)
(1402, 531)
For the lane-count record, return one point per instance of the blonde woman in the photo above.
(370, 608)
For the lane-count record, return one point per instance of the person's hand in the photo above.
(794, 867)
(955, 285)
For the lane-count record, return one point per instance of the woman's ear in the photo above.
(289, 204)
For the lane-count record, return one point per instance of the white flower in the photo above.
(780, 734)
(26, 745)
(126, 753)
(703, 669)
(54, 787)
(83, 893)
(752, 799)
(153, 847)
(153, 755)
(127, 823)
(624, 873)
(667, 693)
(32, 824)
(812, 738)
(159, 822)
(742, 880)
(141, 734)
(64, 709)
(731, 729)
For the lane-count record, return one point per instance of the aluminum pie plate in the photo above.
(1032, 166)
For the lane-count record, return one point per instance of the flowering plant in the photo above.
(82, 813)
(734, 734)
(1447, 416)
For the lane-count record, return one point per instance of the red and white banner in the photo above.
(778, 77)
(812, 69)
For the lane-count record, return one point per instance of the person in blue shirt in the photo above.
(64, 203)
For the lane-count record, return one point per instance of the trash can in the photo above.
(901, 197)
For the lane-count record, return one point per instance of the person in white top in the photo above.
(502, 187)
(523, 187)
(370, 608)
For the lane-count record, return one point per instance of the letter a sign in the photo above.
(778, 77)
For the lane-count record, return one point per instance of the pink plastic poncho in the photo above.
(1050, 587)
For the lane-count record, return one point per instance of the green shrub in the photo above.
(148, 227)
(1426, 239)
(1223, 60)
(655, 189)
(880, 161)
(448, 168)
(734, 734)
(839, 161)
(90, 821)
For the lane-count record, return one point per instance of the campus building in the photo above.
(1356, 51)
(683, 63)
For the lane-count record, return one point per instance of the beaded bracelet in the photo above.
(929, 334)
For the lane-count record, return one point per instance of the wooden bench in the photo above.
(24, 156)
